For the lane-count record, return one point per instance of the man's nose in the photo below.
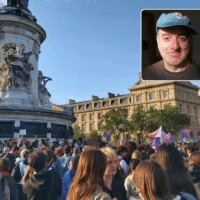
(175, 44)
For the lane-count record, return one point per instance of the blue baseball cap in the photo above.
(175, 19)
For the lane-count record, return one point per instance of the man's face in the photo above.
(173, 45)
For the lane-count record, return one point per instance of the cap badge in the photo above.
(179, 15)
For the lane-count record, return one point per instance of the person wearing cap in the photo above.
(174, 38)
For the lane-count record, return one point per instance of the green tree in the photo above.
(93, 134)
(143, 122)
(172, 120)
(77, 132)
(114, 120)
(137, 124)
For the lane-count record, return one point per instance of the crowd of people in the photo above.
(39, 170)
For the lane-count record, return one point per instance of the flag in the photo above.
(161, 135)
(157, 132)
(185, 133)
(185, 140)
(168, 138)
(106, 134)
(155, 143)
(191, 140)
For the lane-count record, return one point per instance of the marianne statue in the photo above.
(21, 3)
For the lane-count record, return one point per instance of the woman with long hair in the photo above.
(168, 156)
(151, 182)
(194, 168)
(88, 184)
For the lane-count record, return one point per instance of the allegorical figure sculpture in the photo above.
(43, 93)
(15, 71)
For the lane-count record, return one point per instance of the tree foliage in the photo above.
(172, 120)
(77, 132)
(93, 134)
(148, 121)
(114, 120)
(137, 123)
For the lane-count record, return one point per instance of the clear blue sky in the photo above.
(92, 46)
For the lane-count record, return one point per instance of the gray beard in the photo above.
(179, 62)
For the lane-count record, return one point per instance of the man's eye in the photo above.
(183, 39)
(166, 38)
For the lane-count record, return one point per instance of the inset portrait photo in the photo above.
(170, 44)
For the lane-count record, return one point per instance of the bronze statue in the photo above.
(13, 2)
(21, 3)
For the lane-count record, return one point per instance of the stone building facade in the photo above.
(154, 94)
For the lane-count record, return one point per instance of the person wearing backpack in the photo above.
(19, 171)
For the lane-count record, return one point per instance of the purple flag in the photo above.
(155, 143)
(106, 134)
(185, 133)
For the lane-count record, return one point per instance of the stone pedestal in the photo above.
(24, 98)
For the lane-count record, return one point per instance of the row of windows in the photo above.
(151, 96)
(103, 104)
(91, 116)
(188, 108)
(91, 127)
(99, 116)
(185, 95)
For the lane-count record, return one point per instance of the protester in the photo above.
(194, 168)
(86, 148)
(189, 150)
(38, 182)
(58, 152)
(8, 185)
(121, 152)
(19, 171)
(131, 147)
(115, 186)
(151, 182)
(88, 183)
(68, 177)
(128, 184)
(35, 145)
(76, 151)
(55, 176)
(12, 156)
(168, 156)
(137, 155)
(5, 151)
(150, 152)
(21, 158)
(62, 164)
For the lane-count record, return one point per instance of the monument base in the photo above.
(43, 123)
